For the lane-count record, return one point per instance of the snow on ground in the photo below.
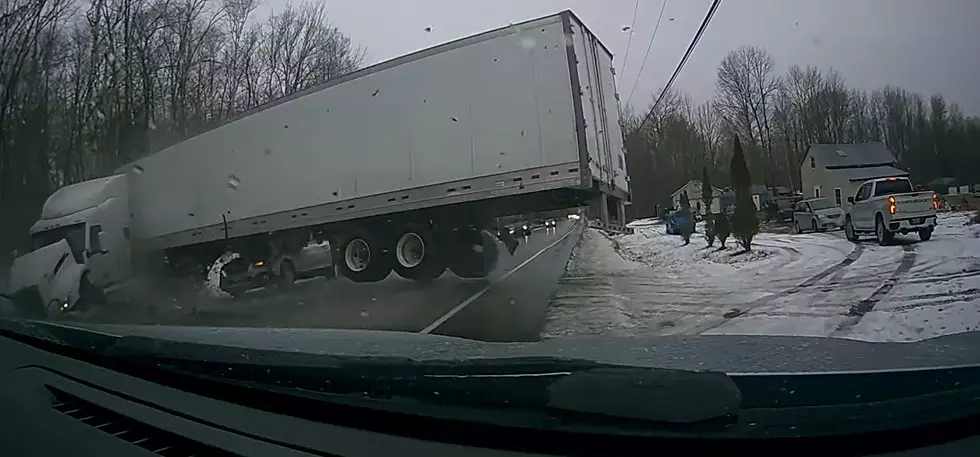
(811, 284)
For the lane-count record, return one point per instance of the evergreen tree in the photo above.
(744, 224)
(706, 197)
(706, 192)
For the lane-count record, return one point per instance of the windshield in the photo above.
(821, 204)
(546, 172)
(74, 234)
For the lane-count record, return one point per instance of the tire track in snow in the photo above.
(850, 258)
(908, 259)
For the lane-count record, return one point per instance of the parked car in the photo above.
(817, 215)
(887, 206)
(675, 221)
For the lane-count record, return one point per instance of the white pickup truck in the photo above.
(887, 206)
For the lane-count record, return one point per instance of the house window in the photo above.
(622, 165)
(837, 196)
(816, 191)
(813, 162)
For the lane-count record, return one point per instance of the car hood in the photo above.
(733, 354)
(37, 267)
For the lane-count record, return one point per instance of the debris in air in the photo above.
(376, 91)
(428, 29)
(454, 119)
(626, 27)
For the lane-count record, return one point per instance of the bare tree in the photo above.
(746, 88)
(779, 117)
(87, 86)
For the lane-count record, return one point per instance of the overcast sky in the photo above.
(927, 46)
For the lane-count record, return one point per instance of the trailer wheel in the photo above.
(418, 256)
(365, 258)
(477, 254)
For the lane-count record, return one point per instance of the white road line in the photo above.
(474, 297)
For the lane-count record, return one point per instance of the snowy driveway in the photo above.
(819, 284)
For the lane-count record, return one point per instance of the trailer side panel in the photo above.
(484, 117)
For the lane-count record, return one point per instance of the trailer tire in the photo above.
(477, 254)
(419, 256)
(365, 257)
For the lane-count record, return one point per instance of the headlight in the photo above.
(524, 227)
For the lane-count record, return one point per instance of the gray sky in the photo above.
(927, 46)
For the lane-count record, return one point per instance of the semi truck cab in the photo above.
(79, 245)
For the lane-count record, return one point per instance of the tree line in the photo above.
(777, 116)
(86, 86)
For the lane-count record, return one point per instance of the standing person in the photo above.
(709, 228)
(687, 220)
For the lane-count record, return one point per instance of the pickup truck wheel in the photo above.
(925, 234)
(881, 233)
(418, 256)
(475, 255)
(365, 258)
(849, 232)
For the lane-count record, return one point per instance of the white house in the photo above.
(835, 171)
(693, 189)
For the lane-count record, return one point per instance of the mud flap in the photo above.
(491, 253)
(477, 257)
(505, 237)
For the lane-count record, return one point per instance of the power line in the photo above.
(680, 66)
(629, 41)
(649, 46)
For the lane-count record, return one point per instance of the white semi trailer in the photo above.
(400, 166)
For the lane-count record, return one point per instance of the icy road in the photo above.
(819, 284)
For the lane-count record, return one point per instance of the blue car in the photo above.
(674, 223)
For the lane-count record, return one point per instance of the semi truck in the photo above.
(401, 166)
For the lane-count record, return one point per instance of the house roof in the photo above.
(714, 190)
(946, 181)
(866, 173)
(845, 155)
(755, 189)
